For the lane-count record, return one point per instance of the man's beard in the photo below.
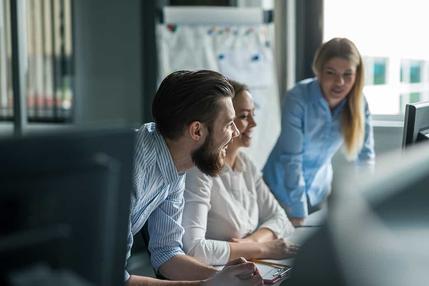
(207, 158)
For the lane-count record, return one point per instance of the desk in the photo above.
(317, 218)
(311, 224)
(299, 236)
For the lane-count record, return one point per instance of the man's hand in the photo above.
(236, 272)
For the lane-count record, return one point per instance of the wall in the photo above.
(108, 49)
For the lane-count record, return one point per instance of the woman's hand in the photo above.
(278, 249)
(297, 221)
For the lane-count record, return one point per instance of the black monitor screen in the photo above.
(416, 123)
(64, 200)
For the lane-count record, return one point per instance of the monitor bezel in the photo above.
(413, 131)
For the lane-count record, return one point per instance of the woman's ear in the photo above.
(197, 130)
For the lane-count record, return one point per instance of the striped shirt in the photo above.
(157, 197)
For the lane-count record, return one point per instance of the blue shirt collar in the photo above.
(165, 161)
(339, 108)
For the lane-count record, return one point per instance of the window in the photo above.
(5, 64)
(375, 69)
(48, 59)
(379, 71)
(396, 60)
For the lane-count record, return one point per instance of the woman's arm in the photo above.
(197, 205)
(273, 249)
(272, 221)
(284, 169)
(262, 234)
(367, 154)
(271, 215)
(273, 224)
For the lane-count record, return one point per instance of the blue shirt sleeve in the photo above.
(165, 228)
(367, 153)
(291, 149)
(130, 240)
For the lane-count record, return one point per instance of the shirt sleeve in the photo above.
(366, 155)
(129, 246)
(197, 206)
(271, 214)
(165, 230)
(289, 169)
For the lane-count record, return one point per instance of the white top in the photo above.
(232, 205)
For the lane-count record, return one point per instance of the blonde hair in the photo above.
(238, 87)
(352, 121)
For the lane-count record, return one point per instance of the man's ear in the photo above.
(197, 130)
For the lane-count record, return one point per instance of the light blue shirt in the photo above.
(300, 163)
(157, 197)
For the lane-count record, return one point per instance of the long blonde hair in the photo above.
(352, 121)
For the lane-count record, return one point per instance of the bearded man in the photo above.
(194, 123)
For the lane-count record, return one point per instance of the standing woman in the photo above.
(320, 115)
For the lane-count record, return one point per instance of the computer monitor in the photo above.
(64, 201)
(416, 123)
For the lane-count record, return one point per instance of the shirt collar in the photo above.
(316, 91)
(165, 161)
(339, 108)
(239, 165)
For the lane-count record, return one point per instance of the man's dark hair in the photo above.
(187, 96)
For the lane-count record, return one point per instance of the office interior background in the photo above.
(80, 63)
(96, 62)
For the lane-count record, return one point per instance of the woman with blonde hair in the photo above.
(234, 214)
(319, 115)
